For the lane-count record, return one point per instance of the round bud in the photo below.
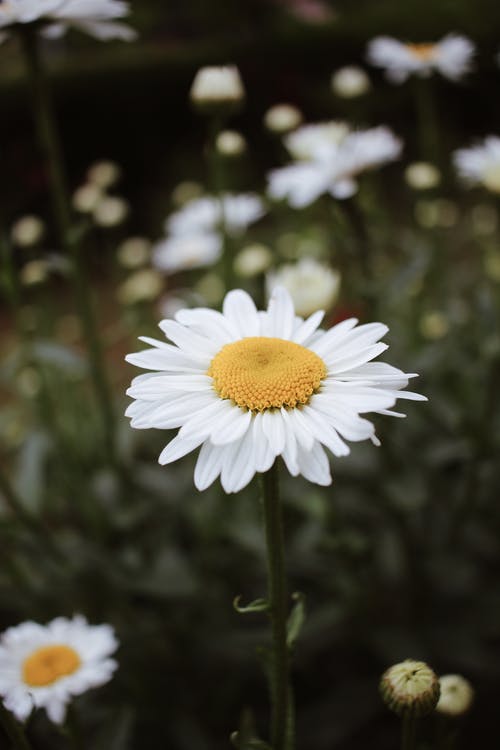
(282, 117)
(217, 89)
(230, 143)
(350, 82)
(410, 689)
(457, 695)
(422, 176)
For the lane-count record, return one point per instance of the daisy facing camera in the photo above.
(249, 386)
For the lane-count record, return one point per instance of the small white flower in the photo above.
(282, 117)
(94, 17)
(350, 82)
(186, 251)
(134, 252)
(44, 666)
(480, 165)
(452, 57)
(457, 695)
(248, 386)
(141, 286)
(110, 211)
(86, 197)
(104, 174)
(422, 176)
(206, 214)
(217, 85)
(312, 285)
(333, 158)
(252, 260)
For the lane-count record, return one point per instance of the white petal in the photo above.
(333, 337)
(208, 466)
(280, 318)
(314, 465)
(357, 358)
(324, 432)
(240, 310)
(177, 448)
(196, 346)
(307, 328)
(238, 466)
(209, 323)
(264, 455)
(56, 710)
(232, 427)
(274, 430)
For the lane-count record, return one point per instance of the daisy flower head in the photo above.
(452, 57)
(44, 666)
(94, 17)
(246, 387)
(480, 164)
(330, 159)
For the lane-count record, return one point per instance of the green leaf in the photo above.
(258, 605)
(296, 619)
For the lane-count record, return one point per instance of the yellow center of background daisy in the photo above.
(259, 373)
(422, 51)
(47, 664)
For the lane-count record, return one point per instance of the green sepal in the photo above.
(296, 619)
(258, 605)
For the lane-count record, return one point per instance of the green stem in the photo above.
(50, 145)
(427, 121)
(408, 733)
(281, 700)
(13, 729)
(218, 187)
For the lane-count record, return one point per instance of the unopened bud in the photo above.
(217, 89)
(410, 689)
(282, 117)
(457, 695)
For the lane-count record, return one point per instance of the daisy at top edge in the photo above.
(246, 386)
(451, 56)
(94, 17)
(45, 666)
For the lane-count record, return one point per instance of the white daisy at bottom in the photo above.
(44, 666)
(249, 386)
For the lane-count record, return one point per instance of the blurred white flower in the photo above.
(141, 286)
(45, 666)
(312, 285)
(333, 157)
(186, 251)
(94, 17)
(110, 211)
(350, 82)
(134, 252)
(27, 231)
(217, 85)
(252, 260)
(422, 176)
(452, 57)
(104, 174)
(480, 165)
(230, 143)
(34, 272)
(205, 214)
(434, 325)
(457, 695)
(86, 197)
(282, 117)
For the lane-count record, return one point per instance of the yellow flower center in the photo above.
(424, 52)
(259, 373)
(47, 664)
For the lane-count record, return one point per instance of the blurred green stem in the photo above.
(428, 132)
(50, 145)
(218, 186)
(281, 694)
(408, 733)
(13, 729)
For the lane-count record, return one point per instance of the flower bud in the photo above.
(34, 272)
(104, 174)
(141, 286)
(111, 211)
(422, 176)
(230, 143)
(27, 231)
(86, 197)
(282, 117)
(350, 82)
(134, 252)
(252, 260)
(410, 689)
(457, 695)
(216, 89)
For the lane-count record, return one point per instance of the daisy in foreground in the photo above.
(44, 666)
(94, 17)
(248, 386)
(452, 57)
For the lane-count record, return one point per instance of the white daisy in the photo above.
(334, 158)
(249, 386)
(480, 165)
(94, 17)
(44, 666)
(186, 251)
(206, 214)
(452, 57)
(312, 285)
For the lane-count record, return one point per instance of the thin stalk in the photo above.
(50, 145)
(13, 730)
(217, 181)
(408, 732)
(428, 131)
(281, 694)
